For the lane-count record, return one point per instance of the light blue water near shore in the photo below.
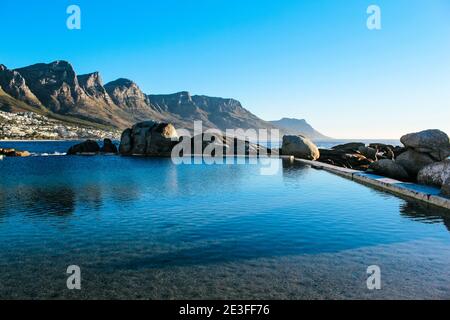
(146, 228)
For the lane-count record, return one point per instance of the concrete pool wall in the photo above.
(430, 195)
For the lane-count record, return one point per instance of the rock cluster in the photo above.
(424, 160)
(91, 147)
(13, 153)
(358, 156)
(424, 157)
(157, 139)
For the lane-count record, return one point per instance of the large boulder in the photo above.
(445, 190)
(108, 147)
(389, 168)
(87, 147)
(433, 142)
(125, 142)
(149, 138)
(414, 161)
(300, 147)
(435, 174)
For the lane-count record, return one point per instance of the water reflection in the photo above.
(425, 213)
(49, 200)
(91, 196)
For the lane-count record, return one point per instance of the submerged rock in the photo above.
(433, 142)
(413, 161)
(149, 138)
(435, 174)
(300, 147)
(389, 168)
(87, 147)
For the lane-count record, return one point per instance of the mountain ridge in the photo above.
(55, 90)
(298, 126)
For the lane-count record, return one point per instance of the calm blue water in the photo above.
(146, 228)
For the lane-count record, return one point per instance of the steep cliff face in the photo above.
(55, 85)
(58, 88)
(128, 96)
(92, 85)
(15, 85)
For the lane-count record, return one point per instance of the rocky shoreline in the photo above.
(423, 158)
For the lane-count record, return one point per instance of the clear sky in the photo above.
(305, 59)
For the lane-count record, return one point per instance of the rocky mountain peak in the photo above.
(54, 73)
(184, 97)
(93, 85)
(55, 84)
(127, 94)
(15, 85)
(121, 82)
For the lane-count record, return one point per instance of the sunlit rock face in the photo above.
(149, 138)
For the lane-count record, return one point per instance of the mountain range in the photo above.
(56, 91)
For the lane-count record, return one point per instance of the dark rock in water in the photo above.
(349, 147)
(368, 152)
(300, 147)
(435, 174)
(87, 147)
(149, 138)
(108, 147)
(445, 190)
(344, 159)
(413, 161)
(433, 142)
(14, 153)
(389, 168)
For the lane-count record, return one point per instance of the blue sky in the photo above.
(306, 59)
